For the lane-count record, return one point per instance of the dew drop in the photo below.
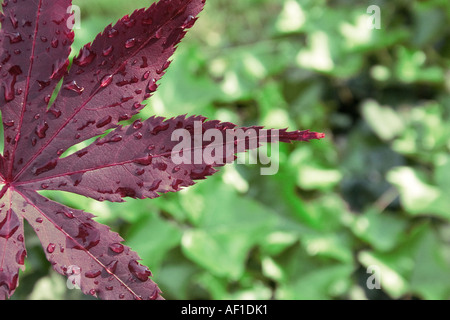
(189, 22)
(85, 125)
(128, 22)
(41, 129)
(139, 271)
(158, 128)
(200, 173)
(59, 68)
(124, 117)
(104, 121)
(73, 86)
(93, 274)
(47, 167)
(8, 123)
(43, 84)
(106, 80)
(147, 21)
(14, 21)
(115, 138)
(130, 43)
(9, 88)
(116, 247)
(112, 33)
(14, 37)
(138, 106)
(154, 295)
(51, 248)
(112, 266)
(146, 75)
(162, 166)
(68, 213)
(87, 238)
(85, 57)
(144, 161)
(144, 62)
(54, 43)
(152, 86)
(176, 184)
(126, 192)
(158, 34)
(55, 112)
(107, 51)
(137, 124)
(122, 83)
(164, 67)
(58, 22)
(20, 257)
(125, 99)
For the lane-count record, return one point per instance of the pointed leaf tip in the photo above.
(317, 135)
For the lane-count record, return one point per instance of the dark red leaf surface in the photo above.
(106, 84)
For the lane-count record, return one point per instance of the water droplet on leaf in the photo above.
(104, 121)
(106, 80)
(130, 43)
(139, 271)
(54, 43)
(189, 22)
(51, 247)
(85, 57)
(107, 51)
(112, 33)
(73, 86)
(152, 86)
(116, 247)
(41, 129)
(93, 274)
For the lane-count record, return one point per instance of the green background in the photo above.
(374, 193)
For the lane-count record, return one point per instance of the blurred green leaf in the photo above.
(140, 238)
(383, 120)
(418, 196)
(382, 230)
(227, 228)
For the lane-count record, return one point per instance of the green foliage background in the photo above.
(374, 192)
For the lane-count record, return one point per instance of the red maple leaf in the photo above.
(104, 86)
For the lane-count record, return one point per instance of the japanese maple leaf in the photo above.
(104, 86)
